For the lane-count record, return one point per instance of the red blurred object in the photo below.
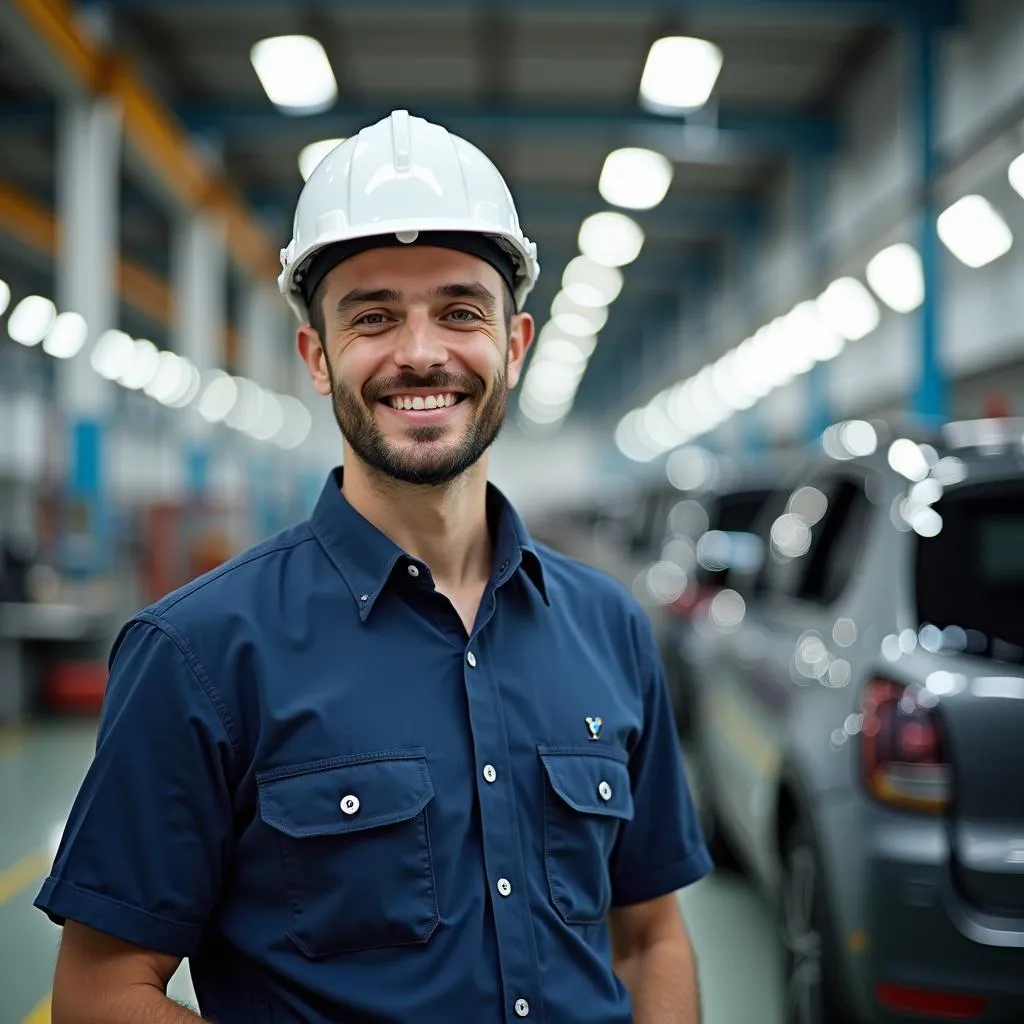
(690, 600)
(996, 406)
(903, 756)
(76, 686)
(929, 1003)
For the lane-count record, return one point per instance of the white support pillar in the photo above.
(199, 272)
(88, 194)
(265, 342)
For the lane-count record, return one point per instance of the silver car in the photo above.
(860, 739)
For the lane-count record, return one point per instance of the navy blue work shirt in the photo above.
(311, 782)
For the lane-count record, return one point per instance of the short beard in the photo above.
(354, 416)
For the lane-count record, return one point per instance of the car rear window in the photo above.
(970, 576)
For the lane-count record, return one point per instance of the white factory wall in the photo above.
(869, 205)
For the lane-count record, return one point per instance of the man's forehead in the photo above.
(416, 269)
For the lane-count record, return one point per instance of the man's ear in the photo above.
(520, 338)
(311, 349)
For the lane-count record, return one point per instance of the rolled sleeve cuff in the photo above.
(650, 884)
(62, 901)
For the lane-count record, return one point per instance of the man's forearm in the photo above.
(662, 982)
(141, 1004)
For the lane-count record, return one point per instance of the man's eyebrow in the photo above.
(467, 290)
(360, 296)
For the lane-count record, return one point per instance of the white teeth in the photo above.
(421, 402)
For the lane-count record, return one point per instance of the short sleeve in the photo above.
(662, 849)
(150, 830)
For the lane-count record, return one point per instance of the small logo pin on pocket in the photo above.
(594, 727)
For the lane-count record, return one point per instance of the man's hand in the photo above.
(651, 953)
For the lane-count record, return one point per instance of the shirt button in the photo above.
(349, 804)
(489, 773)
(522, 1008)
(471, 658)
(604, 791)
(414, 570)
(504, 886)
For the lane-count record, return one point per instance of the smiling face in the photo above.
(418, 356)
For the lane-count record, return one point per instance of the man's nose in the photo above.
(419, 346)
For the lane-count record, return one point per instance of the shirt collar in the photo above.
(366, 557)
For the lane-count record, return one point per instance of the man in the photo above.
(396, 764)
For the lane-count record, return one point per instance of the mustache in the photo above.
(442, 380)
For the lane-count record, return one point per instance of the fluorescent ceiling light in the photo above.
(31, 320)
(974, 232)
(543, 415)
(112, 354)
(297, 423)
(679, 74)
(562, 350)
(896, 278)
(218, 398)
(590, 284)
(1016, 175)
(579, 321)
(67, 336)
(143, 368)
(807, 331)
(632, 439)
(611, 239)
(586, 343)
(310, 156)
(637, 179)
(848, 308)
(295, 73)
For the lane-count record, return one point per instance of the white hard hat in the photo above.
(404, 180)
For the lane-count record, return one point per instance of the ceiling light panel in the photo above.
(679, 74)
(637, 179)
(295, 73)
(974, 231)
(611, 239)
(896, 277)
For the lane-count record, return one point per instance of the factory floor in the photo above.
(41, 768)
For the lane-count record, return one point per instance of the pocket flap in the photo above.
(346, 794)
(590, 782)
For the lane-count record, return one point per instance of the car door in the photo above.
(778, 657)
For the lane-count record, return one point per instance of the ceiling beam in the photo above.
(934, 12)
(711, 214)
(73, 65)
(706, 137)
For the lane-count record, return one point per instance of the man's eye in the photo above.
(466, 315)
(371, 319)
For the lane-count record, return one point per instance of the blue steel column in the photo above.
(816, 253)
(87, 198)
(931, 399)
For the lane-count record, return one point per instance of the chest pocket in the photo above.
(587, 798)
(355, 850)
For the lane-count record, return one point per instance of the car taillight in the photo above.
(904, 757)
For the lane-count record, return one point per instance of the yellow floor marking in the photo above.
(22, 874)
(41, 1014)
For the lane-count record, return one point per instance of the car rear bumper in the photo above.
(900, 921)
